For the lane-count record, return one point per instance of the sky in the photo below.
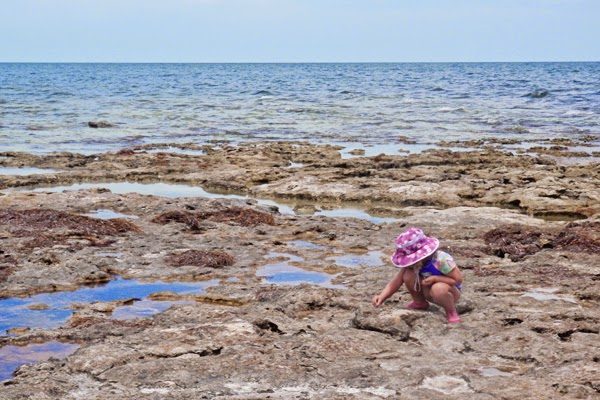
(299, 30)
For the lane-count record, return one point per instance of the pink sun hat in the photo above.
(412, 246)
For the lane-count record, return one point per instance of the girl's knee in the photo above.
(440, 289)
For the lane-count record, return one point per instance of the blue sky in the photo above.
(299, 30)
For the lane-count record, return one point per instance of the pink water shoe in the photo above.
(417, 305)
(452, 317)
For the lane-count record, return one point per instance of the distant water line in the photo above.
(47, 107)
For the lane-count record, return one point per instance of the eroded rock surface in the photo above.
(529, 309)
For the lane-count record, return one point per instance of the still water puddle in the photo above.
(355, 213)
(547, 294)
(282, 273)
(490, 372)
(143, 309)
(390, 149)
(303, 244)
(175, 150)
(12, 357)
(17, 312)
(294, 165)
(177, 190)
(163, 190)
(109, 214)
(23, 171)
(371, 259)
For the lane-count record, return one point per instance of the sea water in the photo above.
(47, 107)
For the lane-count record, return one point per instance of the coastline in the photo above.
(530, 307)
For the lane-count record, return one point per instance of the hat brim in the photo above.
(418, 257)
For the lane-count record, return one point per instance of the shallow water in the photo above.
(371, 259)
(23, 171)
(15, 311)
(283, 273)
(163, 190)
(295, 165)
(547, 294)
(143, 309)
(356, 213)
(12, 357)
(177, 190)
(392, 149)
(303, 244)
(176, 150)
(109, 214)
(493, 372)
(46, 107)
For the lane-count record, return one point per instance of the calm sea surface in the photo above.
(46, 107)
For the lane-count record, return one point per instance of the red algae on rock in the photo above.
(201, 258)
(581, 237)
(237, 215)
(47, 227)
(516, 241)
(519, 241)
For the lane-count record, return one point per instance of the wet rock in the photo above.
(100, 124)
(244, 338)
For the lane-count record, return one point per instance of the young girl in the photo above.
(429, 274)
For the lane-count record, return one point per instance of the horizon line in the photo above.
(299, 62)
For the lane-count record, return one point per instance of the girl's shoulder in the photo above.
(443, 262)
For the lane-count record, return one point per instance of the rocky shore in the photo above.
(284, 245)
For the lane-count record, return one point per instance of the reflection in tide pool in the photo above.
(109, 214)
(492, 372)
(176, 150)
(303, 244)
(547, 294)
(371, 259)
(391, 149)
(23, 171)
(12, 357)
(177, 190)
(283, 273)
(164, 190)
(15, 312)
(355, 213)
(143, 308)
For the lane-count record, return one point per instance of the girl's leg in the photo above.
(419, 302)
(445, 296)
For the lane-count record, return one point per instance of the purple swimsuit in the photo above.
(430, 270)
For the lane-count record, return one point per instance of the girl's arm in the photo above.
(389, 289)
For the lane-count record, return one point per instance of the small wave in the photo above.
(517, 129)
(263, 93)
(577, 113)
(451, 109)
(36, 128)
(59, 94)
(437, 89)
(305, 110)
(537, 94)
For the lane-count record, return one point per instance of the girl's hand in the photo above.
(430, 280)
(378, 300)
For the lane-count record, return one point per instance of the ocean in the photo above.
(47, 107)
